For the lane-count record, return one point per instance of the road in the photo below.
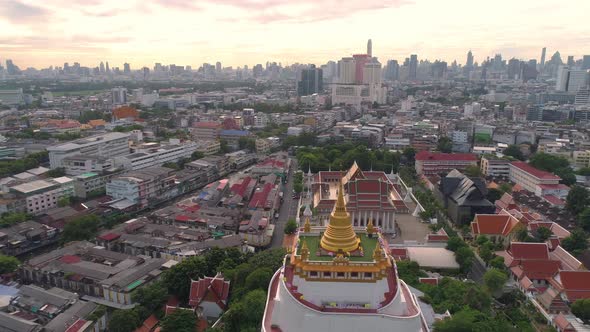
(477, 271)
(288, 208)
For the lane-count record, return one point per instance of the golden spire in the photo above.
(340, 235)
(370, 227)
(304, 251)
(377, 253)
(307, 226)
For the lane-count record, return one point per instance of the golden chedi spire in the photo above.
(378, 253)
(307, 226)
(370, 226)
(340, 236)
(304, 252)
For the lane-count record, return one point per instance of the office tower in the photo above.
(360, 60)
(413, 67)
(543, 54)
(513, 69)
(370, 48)
(347, 70)
(571, 80)
(528, 70)
(11, 68)
(119, 95)
(586, 62)
(108, 69)
(570, 61)
(438, 70)
(372, 72)
(146, 72)
(583, 96)
(257, 70)
(469, 63)
(158, 67)
(218, 67)
(66, 67)
(309, 81)
(392, 70)
(126, 68)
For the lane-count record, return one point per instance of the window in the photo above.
(340, 274)
(327, 274)
(313, 273)
(368, 275)
(354, 274)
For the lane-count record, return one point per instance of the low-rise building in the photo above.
(464, 197)
(491, 166)
(432, 163)
(208, 147)
(232, 137)
(206, 130)
(91, 184)
(105, 145)
(535, 180)
(42, 195)
(143, 187)
(157, 156)
(80, 164)
(100, 275)
(26, 236)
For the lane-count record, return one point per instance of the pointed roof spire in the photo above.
(340, 208)
(340, 235)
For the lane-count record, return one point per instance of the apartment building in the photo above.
(42, 195)
(157, 156)
(104, 145)
(142, 187)
(537, 181)
(491, 166)
(206, 130)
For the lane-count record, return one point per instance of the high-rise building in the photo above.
(543, 54)
(392, 70)
(119, 95)
(370, 48)
(11, 68)
(571, 80)
(126, 68)
(372, 72)
(218, 67)
(413, 74)
(469, 63)
(586, 62)
(347, 70)
(360, 60)
(309, 81)
(570, 61)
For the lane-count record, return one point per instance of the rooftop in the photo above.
(534, 171)
(313, 243)
(426, 155)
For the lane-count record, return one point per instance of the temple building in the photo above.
(368, 195)
(340, 278)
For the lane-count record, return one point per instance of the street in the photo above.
(477, 271)
(288, 208)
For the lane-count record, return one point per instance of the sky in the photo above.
(40, 33)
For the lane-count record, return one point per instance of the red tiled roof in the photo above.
(525, 250)
(575, 284)
(70, 259)
(76, 326)
(426, 155)
(260, 197)
(109, 236)
(429, 281)
(540, 269)
(554, 200)
(554, 186)
(149, 324)
(534, 171)
(493, 224)
(562, 323)
(217, 288)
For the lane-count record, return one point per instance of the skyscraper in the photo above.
(370, 48)
(413, 67)
(119, 95)
(543, 54)
(571, 80)
(469, 63)
(586, 62)
(218, 67)
(570, 60)
(372, 72)
(347, 70)
(309, 81)
(126, 68)
(392, 70)
(108, 69)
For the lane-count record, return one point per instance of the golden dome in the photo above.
(340, 235)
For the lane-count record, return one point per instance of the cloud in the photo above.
(18, 12)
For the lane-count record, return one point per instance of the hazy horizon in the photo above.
(248, 32)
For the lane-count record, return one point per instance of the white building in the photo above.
(12, 97)
(119, 96)
(347, 70)
(105, 145)
(157, 156)
(571, 80)
(42, 195)
(356, 94)
(372, 72)
(534, 180)
(495, 167)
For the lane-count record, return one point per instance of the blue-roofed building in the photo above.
(232, 136)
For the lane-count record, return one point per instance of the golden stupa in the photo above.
(339, 235)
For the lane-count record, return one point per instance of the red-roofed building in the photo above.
(576, 284)
(535, 180)
(528, 251)
(210, 294)
(428, 281)
(149, 325)
(80, 325)
(432, 163)
(205, 130)
(440, 236)
(399, 254)
(125, 112)
(562, 324)
(498, 227)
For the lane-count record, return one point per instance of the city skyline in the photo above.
(238, 33)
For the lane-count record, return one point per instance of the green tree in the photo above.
(124, 321)
(577, 199)
(180, 320)
(224, 148)
(409, 153)
(543, 233)
(505, 187)
(246, 313)
(177, 279)
(291, 227)
(567, 175)
(464, 257)
(514, 151)
(9, 219)
(197, 155)
(462, 321)
(247, 143)
(576, 243)
(151, 296)
(584, 171)
(583, 219)
(8, 264)
(56, 172)
(473, 171)
(581, 308)
(494, 280)
(63, 201)
(445, 145)
(486, 252)
(81, 228)
(454, 243)
(494, 194)
(410, 272)
(259, 279)
(548, 162)
(497, 262)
